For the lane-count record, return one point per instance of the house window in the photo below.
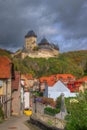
(1, 83)
(60, 78)
(73, 86)
(69, 78)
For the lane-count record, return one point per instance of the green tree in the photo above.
(77, 118)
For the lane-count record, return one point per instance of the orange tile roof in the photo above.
(51, 80)
(27, 76)
(84, 79)
(65, 76)
(5, 67)
(16, 80)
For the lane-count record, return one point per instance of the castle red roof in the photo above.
(5, 67)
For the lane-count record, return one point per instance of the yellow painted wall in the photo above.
(1, 90)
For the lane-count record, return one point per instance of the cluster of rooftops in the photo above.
(68, 79)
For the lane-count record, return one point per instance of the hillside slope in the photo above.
(70, 62)
(5, 53)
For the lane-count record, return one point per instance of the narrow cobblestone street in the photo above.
(15, 123)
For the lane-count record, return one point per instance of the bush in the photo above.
(77, 117)
(58, 102)
(1, 113)
(51, 111)
(40, 94)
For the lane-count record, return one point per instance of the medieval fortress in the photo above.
(44, 49)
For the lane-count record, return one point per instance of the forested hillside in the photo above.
(5, 53)
(70, 62)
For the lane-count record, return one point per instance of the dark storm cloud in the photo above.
(72, 14)
(62, 21)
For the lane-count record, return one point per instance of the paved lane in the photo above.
(15, 123)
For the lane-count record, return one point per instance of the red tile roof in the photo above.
(16, 81)
(73, 87)
(5, 67)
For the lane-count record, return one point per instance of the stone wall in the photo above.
(49, 120)
(38, 106)
(16, 102)
(40, 54)
(7, 100)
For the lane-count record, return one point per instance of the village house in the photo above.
(28, 85)
(55, 85)
(56, 90)
(16, 95)
(6, 75)
(27, 81)
(65, 78)
(51, 80)
(81, 83)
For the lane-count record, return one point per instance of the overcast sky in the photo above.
(63, 22)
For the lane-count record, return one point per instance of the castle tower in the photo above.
(30, 40)
(44, 42)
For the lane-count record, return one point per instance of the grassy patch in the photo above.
(49, 122)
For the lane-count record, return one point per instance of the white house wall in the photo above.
(26, 100)
(55, 95)
(56, 90)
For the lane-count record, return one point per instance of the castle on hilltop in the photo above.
(43, 49)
